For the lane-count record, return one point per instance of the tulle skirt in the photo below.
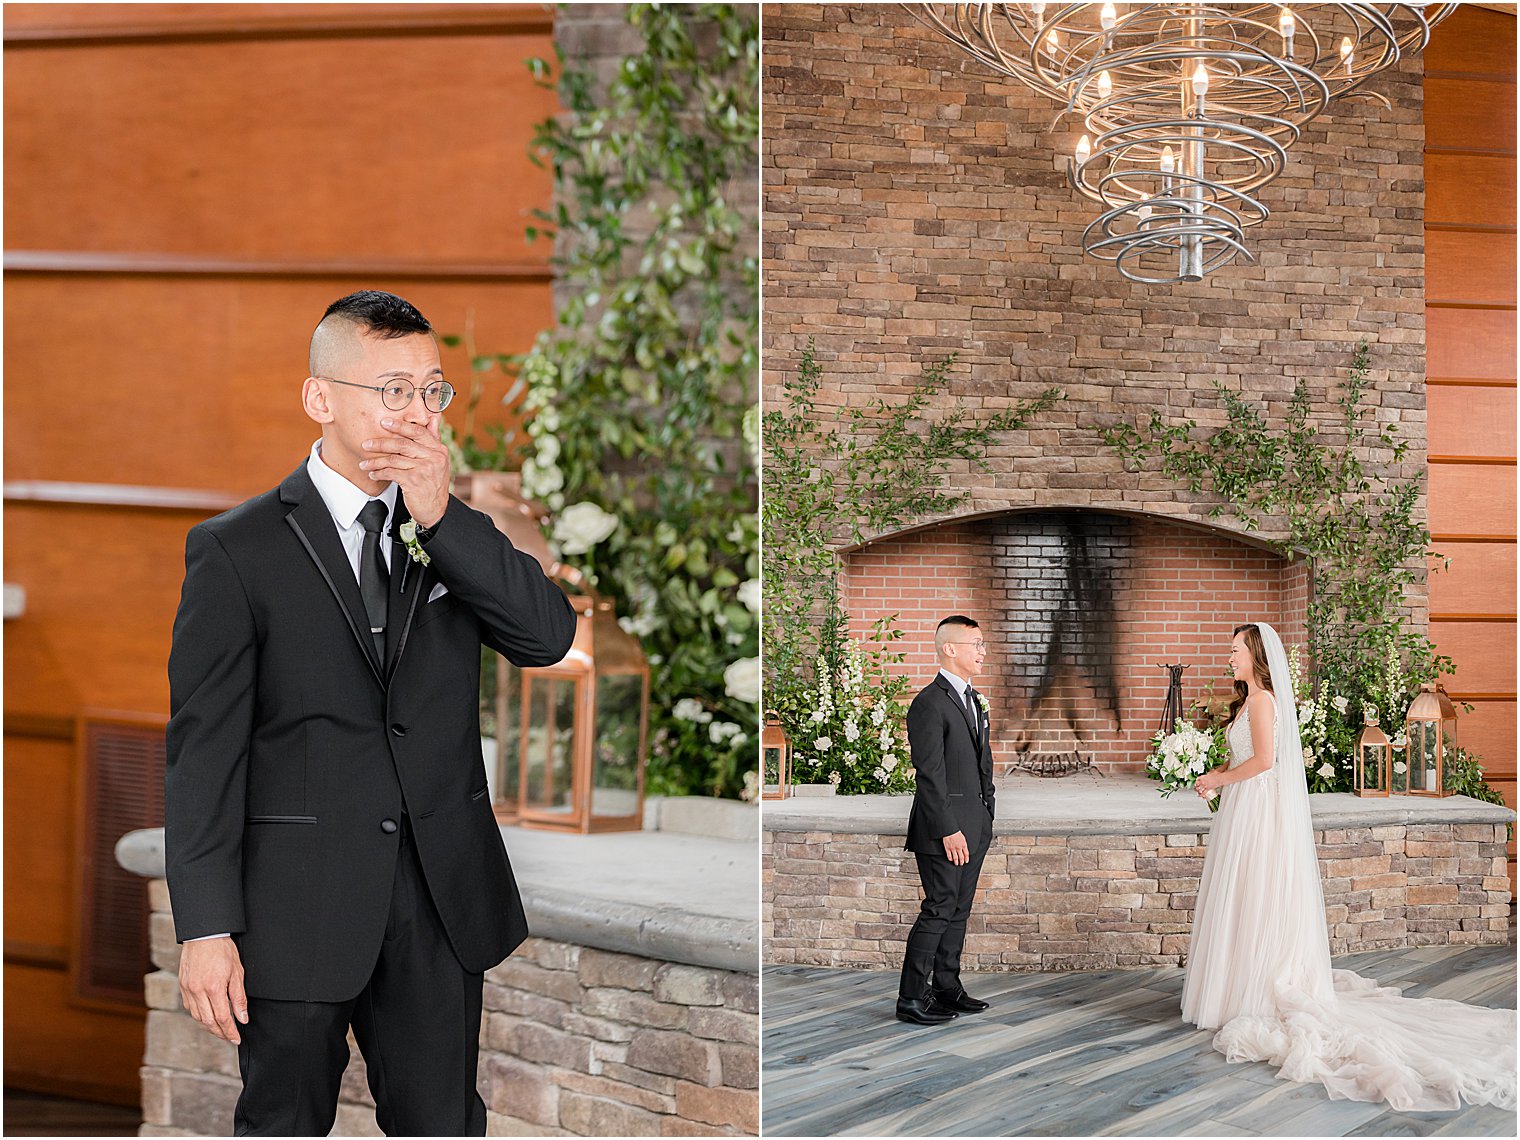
(1258, 970)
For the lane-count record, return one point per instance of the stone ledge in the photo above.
(1124, 804)
(678, 898)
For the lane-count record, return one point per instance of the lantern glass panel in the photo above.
(1422, 775)
(1399, 772)
(550, 756)
(1372, 767)
(615, 762)
(771, 767)
(501, 727)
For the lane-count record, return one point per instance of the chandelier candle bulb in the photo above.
(1108, 17)
(1105, 85)
(1084, 150)
(1286, 25)
(1053, 41)
(1346, 53)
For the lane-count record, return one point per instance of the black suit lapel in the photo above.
(313, 525)
(401, 606)
(958, 702)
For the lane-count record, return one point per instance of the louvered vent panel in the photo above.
(124, 790)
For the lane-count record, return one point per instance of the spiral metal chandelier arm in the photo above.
(1188, 107)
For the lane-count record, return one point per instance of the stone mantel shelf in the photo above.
(1089, 804)
(677, 898)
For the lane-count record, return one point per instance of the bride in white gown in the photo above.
(1259, 965)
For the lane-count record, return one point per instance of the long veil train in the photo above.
(1264, 956)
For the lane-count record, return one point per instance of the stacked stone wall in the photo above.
(574, 1041)
(1094, 902)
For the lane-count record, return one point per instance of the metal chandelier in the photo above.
(1189, 108)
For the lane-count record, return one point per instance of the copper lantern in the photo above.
(565, 744)
(1431, 731)
(1374, 758)
(775, 760)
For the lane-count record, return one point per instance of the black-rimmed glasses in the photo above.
(397, 395)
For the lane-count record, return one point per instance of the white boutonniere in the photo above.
(408, 535)
(986, 708)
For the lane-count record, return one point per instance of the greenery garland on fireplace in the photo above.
(879, 467)
(1360, 528)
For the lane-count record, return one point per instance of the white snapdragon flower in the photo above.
(851, 731)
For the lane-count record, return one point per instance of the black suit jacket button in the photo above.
(388, 826)
(398, 730)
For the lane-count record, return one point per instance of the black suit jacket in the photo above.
(290, 743)
(953, 789)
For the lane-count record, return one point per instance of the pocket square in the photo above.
(437, 592)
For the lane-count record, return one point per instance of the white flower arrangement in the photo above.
(1180, 757)
(407, 532)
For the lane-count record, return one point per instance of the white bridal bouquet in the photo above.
(1179, 757)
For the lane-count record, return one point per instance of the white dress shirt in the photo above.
(344, 502)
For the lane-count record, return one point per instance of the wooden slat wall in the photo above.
(1470, 333)
(187, 186)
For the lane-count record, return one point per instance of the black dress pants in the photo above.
(417, 1023)
(934, 944)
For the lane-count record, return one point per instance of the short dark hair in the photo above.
(380, 314)
(957, 619)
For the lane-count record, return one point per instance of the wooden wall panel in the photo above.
(1469, 189)
(1484, 653)
(373, 147)
(214, 364)
(1470, 420)
(1472, 500)
(52, 1045)
(1480, 580)
(39, 842)
(186, 188)
(1470, 344)
(1470, 268)
(1487, 731)
(1468, 114)
(1473, 41)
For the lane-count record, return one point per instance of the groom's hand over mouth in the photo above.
(415, 460)
(956, 850)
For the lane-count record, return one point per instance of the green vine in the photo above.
(882, 467)
(1360, 529)
(638, 437)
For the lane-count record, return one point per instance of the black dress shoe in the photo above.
(923, 1011)
(960, 1001)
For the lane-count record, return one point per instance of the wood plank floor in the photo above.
(1085, 1054)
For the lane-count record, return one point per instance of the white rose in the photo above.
(823, 744)
(817, 717)
(833, 777)
(1400, 767)
(741, 680)
(889, 760)
(1326, 770)
(577, 529)
(749, 594)
(1341, 705)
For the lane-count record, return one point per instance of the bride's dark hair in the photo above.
(1259, 666)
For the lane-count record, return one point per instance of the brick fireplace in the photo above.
(1079, 608)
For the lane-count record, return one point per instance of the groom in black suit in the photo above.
(950, 826)
(332, 855)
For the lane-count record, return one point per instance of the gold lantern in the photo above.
(1374, 758)
(565, 744)
(1431, 732)
(775, 760)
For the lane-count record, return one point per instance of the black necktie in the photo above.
(976, 718)
(374, 576)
